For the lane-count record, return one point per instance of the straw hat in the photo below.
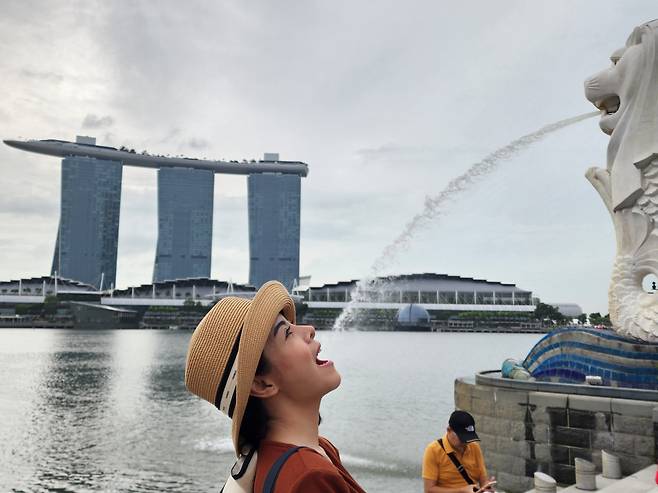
(226, 347)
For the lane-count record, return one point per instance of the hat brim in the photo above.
(270, 300)
(468, 436)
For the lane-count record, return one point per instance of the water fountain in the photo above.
(436, 206)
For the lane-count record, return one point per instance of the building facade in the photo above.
(446, 299)
(185, 214)
(86, 245)
(274, 228)
(87, 237)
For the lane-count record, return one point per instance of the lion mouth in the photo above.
(609, 104)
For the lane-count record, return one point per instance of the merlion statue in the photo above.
(627, 95)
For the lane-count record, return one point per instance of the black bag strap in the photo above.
(270, 480)
(457, 464)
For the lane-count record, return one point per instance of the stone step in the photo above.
(643, 481)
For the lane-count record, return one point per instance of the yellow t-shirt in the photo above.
(438, 466)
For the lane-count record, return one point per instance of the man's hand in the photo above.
(488, 486)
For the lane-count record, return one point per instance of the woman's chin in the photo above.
(335, 383)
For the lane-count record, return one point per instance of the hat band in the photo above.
(226, 391)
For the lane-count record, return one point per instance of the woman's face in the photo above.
(296, 370)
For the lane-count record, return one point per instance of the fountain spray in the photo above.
(434, 207)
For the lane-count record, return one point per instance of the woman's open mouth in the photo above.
(323, 362)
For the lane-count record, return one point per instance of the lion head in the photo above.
(627, 95)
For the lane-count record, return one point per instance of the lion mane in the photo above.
(630, 89)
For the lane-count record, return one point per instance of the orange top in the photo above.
(437, 465)
(305, 471)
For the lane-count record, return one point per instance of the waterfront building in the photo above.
(185, 214)
(87, 237)
(433, 291)
(445, 298)
(274, 226)
(184, 211)
(178, 292)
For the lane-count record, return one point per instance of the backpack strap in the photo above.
(273, 474)
(458, 465)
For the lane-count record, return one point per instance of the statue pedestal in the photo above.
(529, 426)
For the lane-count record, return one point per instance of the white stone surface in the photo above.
(627, 94)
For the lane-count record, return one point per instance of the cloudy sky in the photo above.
(386, 102)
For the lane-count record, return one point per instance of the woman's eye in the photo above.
(288, 332)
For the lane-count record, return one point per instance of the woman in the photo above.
(252, 361)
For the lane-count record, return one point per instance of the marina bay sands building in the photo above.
(185, 211)
(274, 210)
(87, 237)
(87, 240)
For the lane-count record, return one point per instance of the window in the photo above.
(428, 297)
(410, 297)
(447, 297)
(484, 298)
(465, 297)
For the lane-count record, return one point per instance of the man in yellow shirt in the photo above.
(454, 463)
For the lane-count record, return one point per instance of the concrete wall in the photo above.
(525, 431)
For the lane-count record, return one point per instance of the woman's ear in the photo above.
(262, 387)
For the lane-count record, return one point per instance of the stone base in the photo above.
(525, 429)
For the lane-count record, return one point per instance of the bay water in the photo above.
(88, 411)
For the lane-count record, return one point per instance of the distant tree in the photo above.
(595, 318)
(548, 312)
(582, 318)
(50, 305)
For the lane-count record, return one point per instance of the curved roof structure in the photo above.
(64, 148)
(413, 314)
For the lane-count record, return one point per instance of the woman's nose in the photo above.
(309, 331)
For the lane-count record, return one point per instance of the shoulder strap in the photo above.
(270, 480)
(457, 464)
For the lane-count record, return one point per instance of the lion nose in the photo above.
(593, 89)
(601, 85)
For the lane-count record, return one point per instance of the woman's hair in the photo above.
(254, 422)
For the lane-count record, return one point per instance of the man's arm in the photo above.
(484, 477)
(484, 481)
(430, 486)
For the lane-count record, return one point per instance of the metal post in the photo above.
(20, 287)
(59, 245)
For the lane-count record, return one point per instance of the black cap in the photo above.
(463, 425)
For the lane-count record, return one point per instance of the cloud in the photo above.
(385, 107)
(94, 121)
(42, 75)
(197, 143)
